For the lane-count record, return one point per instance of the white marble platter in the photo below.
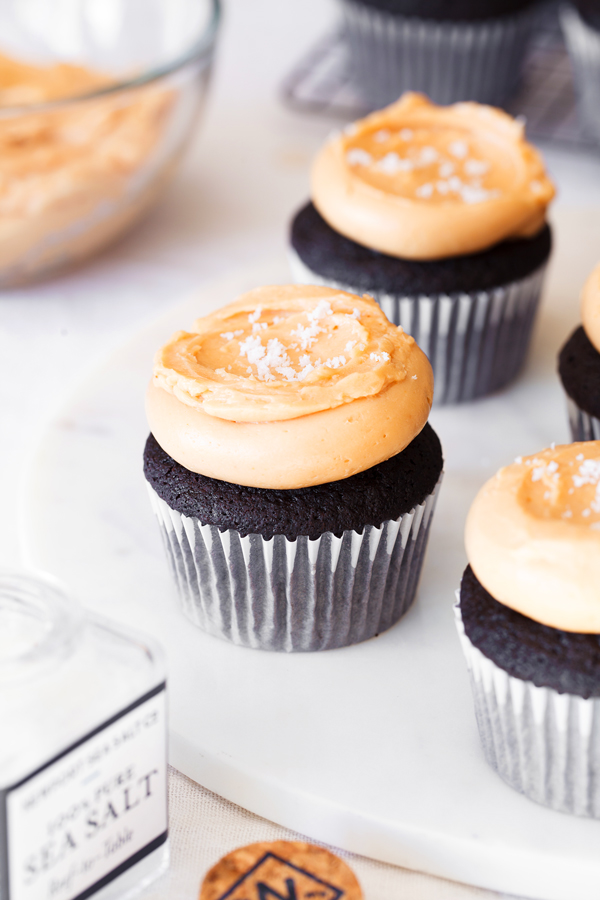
(372, 748)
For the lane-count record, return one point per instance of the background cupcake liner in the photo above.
(295, 595)
(448, 61)
(544, 744)
(583, 44)
(476, 343)
(584, 427)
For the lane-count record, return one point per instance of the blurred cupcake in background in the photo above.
(440, 214)
(579, 366)
(529, 622)
(581, 28)
(449, 49)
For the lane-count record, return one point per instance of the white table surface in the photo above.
(228, 207)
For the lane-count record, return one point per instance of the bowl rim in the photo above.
(200, 50)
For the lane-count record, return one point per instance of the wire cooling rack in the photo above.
(320, 83)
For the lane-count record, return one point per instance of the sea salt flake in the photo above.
(424, 190)
(350, 346)
(227, 335)
(455, 183)
(473, 195)
(476, 166)
(381, 135)
(391, 164)
(379, 357)
(255, 316)
(358, 157)
(428, 155)
(446, 170)
(335, 362)
(459, 149)
(518, 460)
(356, 313)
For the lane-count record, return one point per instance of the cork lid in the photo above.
(280, 870)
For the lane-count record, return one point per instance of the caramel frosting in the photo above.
(64, 167)
(590, 307)
(533, 536)
(287, 387)
(24, 84)
(421, 181)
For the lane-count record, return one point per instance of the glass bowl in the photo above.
(98, 99)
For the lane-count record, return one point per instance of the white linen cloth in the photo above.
(204, 827)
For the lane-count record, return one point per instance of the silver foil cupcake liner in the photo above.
(544, 744)
(583, 44)
(476, 343)
(448, 61)
(295, 595)
(584, 427)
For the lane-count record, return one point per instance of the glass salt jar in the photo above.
(83, 760)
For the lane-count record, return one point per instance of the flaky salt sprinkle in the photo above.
(255, 316)
(379, 357)
(424, 190)
(459, 149)
(335, 362)
(381, 135)
(476, 166)
(391, 163)
(358, 157)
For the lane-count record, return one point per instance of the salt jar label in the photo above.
(90, 814)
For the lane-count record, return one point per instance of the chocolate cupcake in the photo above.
(579, 366)
(581, 27)
(439, 214)
(292, 468)
(529, 622)
(450, 50)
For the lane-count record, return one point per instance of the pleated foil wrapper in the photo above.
(583, 44)
(476, 342)
(298, 595)
(584, 427)
(448, 61)
(544, 744)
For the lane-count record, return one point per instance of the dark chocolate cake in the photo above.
(565, 661)
(385, 491)
(332, 256)
(579, 370)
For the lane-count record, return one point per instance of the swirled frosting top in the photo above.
(590, 307)
(421, 181)
(533, 536)
(289, 386)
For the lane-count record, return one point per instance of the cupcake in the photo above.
(457, 50)
(579, 366)
(581, 28)
(529, 622)
(439, 213)
(292, 468)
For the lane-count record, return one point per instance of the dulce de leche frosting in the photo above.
(533, 536)
(421, 181)
(289, 386)
(590, 307)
